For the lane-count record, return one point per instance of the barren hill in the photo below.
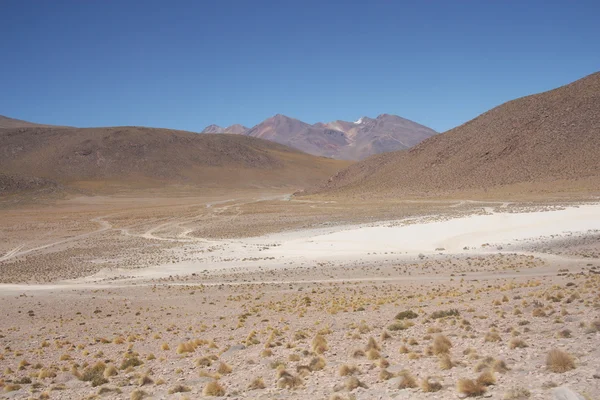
(95, 158)
(543, 141)
(6, 122)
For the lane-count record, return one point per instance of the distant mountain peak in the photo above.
(236, 129)
(338, 139)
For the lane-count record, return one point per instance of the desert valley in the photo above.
(147, 263)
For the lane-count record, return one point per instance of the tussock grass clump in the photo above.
(446, 362)
(319, 344)
(385, 335)
(517, 343)
(441, 345)
(429, 386)
(373, 354)
(287, 380)
(266, 353)
(399, 325)
(187, 347)
(353, 382)
(470, 388)
(224, 369)
(385, 375)
(303, 370)
(131, 361)
(11, 387)
(109, 371)
(492, 364)
(346, 370)
(382, 363)
(213, 389)
(486, 378)
(46, 373)
(559, 361)
(372, 344)
(107, 390)
(95, 374)
(517, 394)
(317, 364)
(257, 383)
(492, 336)
(179, 389)
(564, 334)
(294, 357)
(408, 314)
(203, 362)
(407, 380)
(445, 313)
(145, 379)
(357, 353)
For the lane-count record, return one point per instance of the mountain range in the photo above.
(338, 139)
(547, 142)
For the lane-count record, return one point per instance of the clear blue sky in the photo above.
(187, 64)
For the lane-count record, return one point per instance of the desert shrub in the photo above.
(213, 389)
(408, 314)
(559, 361)
(470, 388)
(445, 313)
(429, 386)
(406, 380)
(441, 345)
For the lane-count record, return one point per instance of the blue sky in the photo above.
(187, 64)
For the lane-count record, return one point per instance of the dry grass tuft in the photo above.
(353, 383)
(517, 394)
(470, 388)
(319, 344)
(317, 364)
(429, 386)
(110, 370)
(407, 380)
(559, 361)
(372, 344)
(492, 337)
(385, 375)
(486, 378)
(346, 370)
(137, 394)
(517, 343)
(287, 380)
(213, 389)
(224, 369)
(441, 345)
(257, 383)
(408, 314)
(179, 389)
(358, 353)
(373, 354)
(446, 362)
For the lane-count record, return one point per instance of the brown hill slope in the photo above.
(539, 141)
(6, 122)
(138, 157)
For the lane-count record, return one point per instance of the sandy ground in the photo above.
(179, 293)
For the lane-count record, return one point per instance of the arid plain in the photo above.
(263, 294)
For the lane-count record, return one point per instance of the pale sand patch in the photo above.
(452, 235)
(376, 242)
